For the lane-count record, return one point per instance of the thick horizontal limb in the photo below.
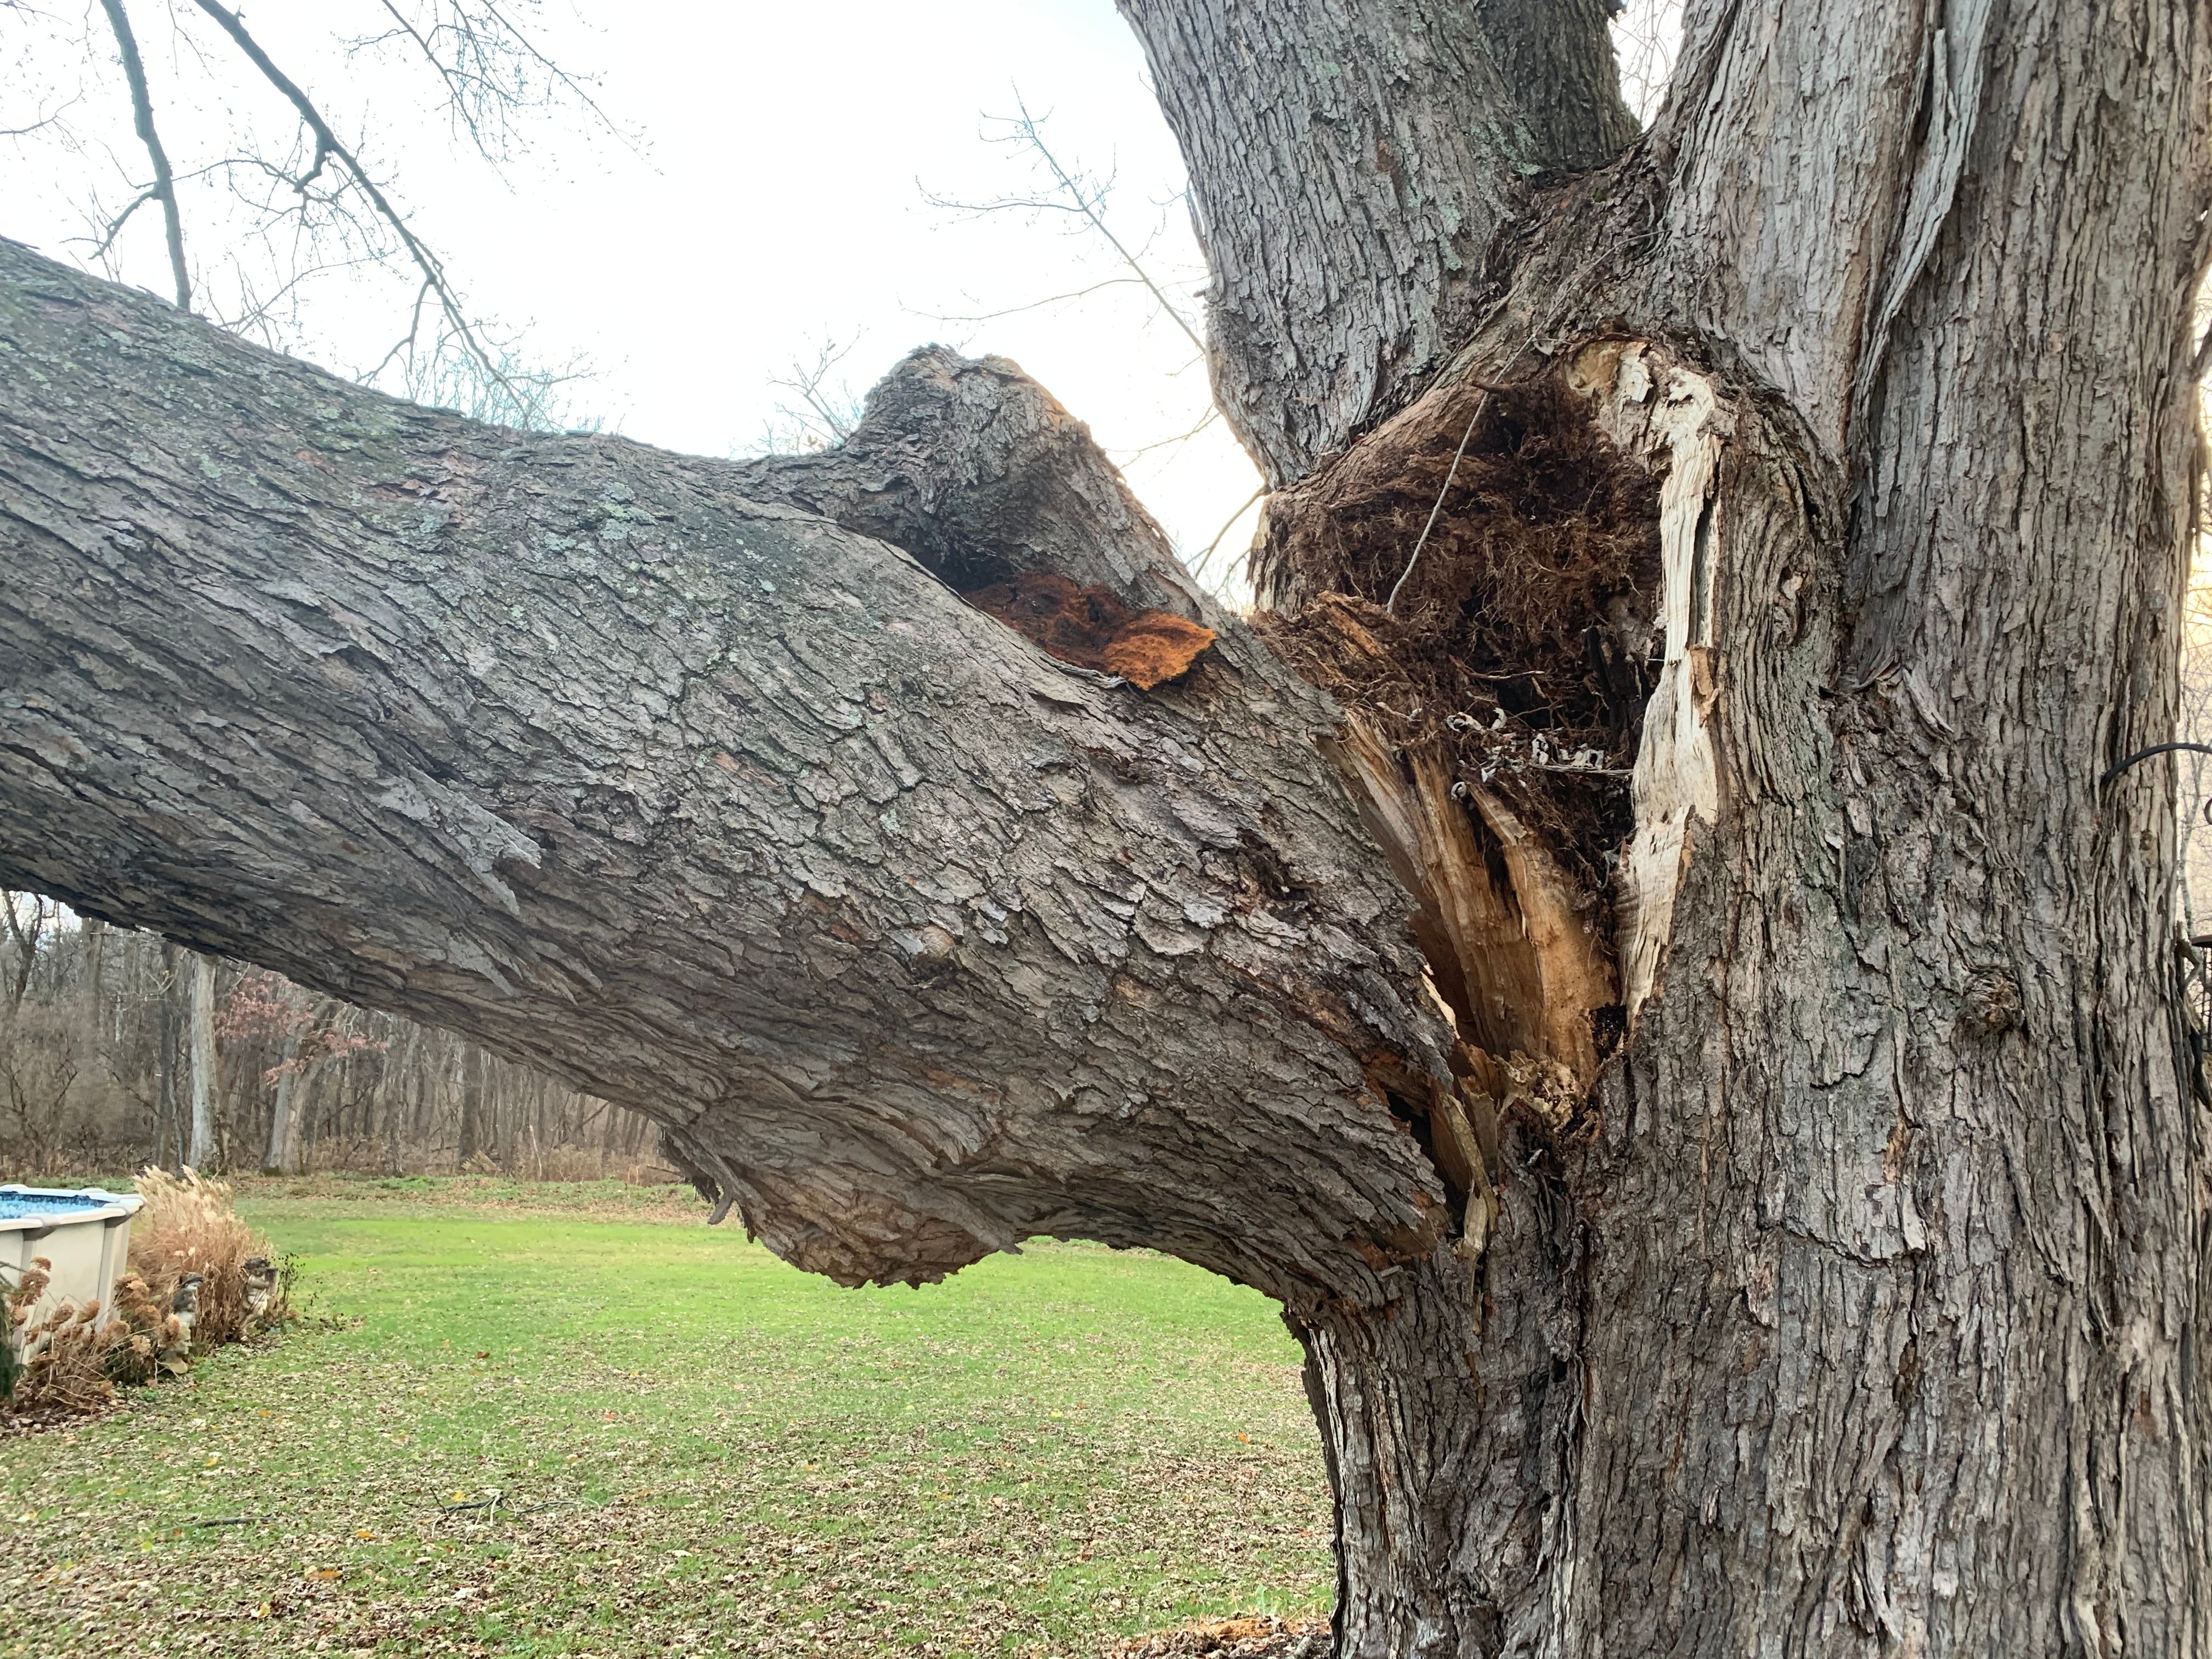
(920, 941)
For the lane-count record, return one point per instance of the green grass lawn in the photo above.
(695, 1448)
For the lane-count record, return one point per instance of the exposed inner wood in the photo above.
(1498, 716)
(1663, 412)
(1090, 628)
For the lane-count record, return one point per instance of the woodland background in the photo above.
(95, 1074)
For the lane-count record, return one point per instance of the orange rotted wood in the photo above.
(1092, 628)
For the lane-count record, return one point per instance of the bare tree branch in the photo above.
(1199, 564)
(39, 125)
(1204, 420)
(24, 939)
(327, 144)
(490, 58)
(164, 187)
(460, 91)
(1034, 305)
(115, 225)
(553, 71)
(829, 415)
(1076, 195)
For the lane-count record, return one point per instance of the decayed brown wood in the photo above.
(1090, 628)
(1521, 968)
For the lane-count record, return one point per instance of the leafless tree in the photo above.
(296, 198)
(93, 1041)
(1676, 997)
(1079, 196)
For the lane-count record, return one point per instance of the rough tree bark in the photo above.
(1684, 1033)
(282, 1154)
(920, 940)
(1351, 167)
(200, 1062)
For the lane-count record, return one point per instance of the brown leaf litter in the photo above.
(1260, 1637)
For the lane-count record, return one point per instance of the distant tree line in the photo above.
(119, 1049)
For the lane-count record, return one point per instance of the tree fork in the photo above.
(1842, 1298)
(1883, 1221)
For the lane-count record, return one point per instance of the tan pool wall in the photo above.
(89, 1252)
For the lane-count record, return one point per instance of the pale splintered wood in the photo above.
(1670, 417)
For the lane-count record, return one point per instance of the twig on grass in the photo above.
(490, 1503)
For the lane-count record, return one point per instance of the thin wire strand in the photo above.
(1390, 604)
(1568, 295)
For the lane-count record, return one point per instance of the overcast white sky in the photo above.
(773, 197)
(774, 200)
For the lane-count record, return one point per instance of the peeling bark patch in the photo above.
(1090, 628)
(1672, 416)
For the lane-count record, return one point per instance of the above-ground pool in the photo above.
(85, 1234)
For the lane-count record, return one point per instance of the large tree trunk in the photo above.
(1694, 1059)
(1351, 167)
(1857, 1308)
